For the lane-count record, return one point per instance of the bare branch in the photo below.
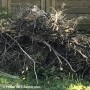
(58, 55)
(26, 55)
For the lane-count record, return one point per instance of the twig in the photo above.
(84, 56)
(27, 56)
(53, 51)
(58, 55)
(85, 71)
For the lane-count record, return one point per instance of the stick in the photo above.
(53, 50)
(57, 54)
(26, 55)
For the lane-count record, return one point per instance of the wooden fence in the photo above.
(73, 8)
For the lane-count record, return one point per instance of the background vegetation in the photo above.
(49, 79)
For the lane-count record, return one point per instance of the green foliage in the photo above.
(5, 17)
(4, 13)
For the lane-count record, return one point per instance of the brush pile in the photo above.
(44, 42)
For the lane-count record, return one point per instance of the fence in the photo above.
(73, 8)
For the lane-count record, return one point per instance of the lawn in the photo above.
(68, 82)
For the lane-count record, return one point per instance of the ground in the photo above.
(67, 83)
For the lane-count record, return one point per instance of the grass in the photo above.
(69, 82)
(9, 81)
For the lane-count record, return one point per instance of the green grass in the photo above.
(69, 82)
(7, 80)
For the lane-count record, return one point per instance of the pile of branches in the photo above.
(38, 41)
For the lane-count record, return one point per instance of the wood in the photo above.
(4, 3)
(53, 3)
(43, 4)
(0, 1)
(73, 8)
(9, 6)
(47, 5)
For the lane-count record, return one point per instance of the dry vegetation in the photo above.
(44, 42)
